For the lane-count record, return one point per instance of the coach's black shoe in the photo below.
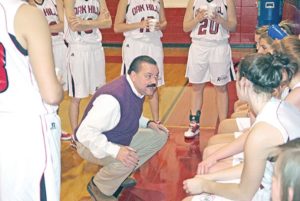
(96, 194)
(127, 183)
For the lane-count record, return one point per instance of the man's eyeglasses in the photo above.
(149, 76)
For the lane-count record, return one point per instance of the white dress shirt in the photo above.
(103, 116)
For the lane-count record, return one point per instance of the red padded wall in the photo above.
(291, 12)
(246, 15)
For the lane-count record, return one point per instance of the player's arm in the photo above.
(59, 27)
(120, 24)
(256, 151)
(69, 12)
(32, 32)
(102, 22)
(226, 151)
(189, 21)
(231, 22)
(162, 16)
(77, 24)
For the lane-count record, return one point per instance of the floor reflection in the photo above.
(160, 179)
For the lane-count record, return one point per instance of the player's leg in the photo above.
(155, 50)
(154, 106)
(222, 101)
(196, 105)
(220, 66)
(78, 79)
(221, 139)
(239, 103)
(74, 112)
(96, 68)
(228, 126)
(198, 74)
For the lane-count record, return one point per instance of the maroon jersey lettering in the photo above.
(3, 73)
(213, 27)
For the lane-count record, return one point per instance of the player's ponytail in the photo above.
(265, 70)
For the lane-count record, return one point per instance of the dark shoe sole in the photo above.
(191, 137)
(90, 191)
(101, 197)
(127, 183)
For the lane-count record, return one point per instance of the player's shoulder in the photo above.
(28, 11)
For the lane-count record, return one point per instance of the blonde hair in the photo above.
(289, 45)
(288, 26)
(261, 30)
(266, 36)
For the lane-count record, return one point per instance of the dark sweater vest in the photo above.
(131, 107)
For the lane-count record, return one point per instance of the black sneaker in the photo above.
(127, 183)
(96, 194)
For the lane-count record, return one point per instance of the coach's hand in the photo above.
(157, 126)
(128, 156)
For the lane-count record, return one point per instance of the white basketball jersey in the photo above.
(49, 9)
(139, 10)
(18, 87)
(208, 29)
(87, 10)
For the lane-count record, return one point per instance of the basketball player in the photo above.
(29, 95)
(54, 12)
(276, 123)
(142, 37)
(86, 62)
(209, 58)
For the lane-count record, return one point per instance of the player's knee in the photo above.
(207, 152)
(221, 89)
(213, 140)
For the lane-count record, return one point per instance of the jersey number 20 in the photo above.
(212, 27)
(3, 73)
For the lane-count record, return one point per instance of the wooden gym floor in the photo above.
(160, 179)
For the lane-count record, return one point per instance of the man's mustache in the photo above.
(151, 85)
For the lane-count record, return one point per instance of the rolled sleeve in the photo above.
(143, 122)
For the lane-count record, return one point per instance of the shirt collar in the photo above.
(132, 87)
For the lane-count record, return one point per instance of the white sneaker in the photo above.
(65, 136)
(193, 130)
